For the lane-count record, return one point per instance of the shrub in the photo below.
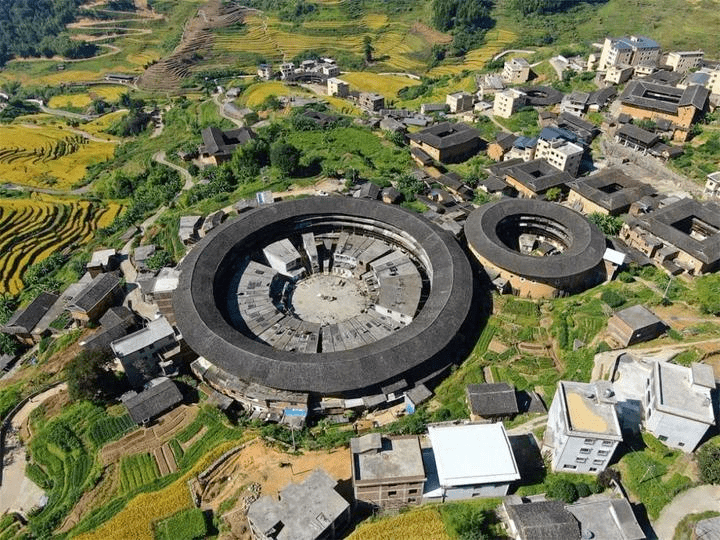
(583, 490)
(708, 459)
(612, 298)
(562, 490)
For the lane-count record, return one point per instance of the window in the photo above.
(662, 438)
(593, 469)
(607, 443)
(598, 462)
(589, 442)
(568, 466)
(585, 450)
(603, 452)
(392, 493)
(580, 460)
(681, 444)
(412, 491)
(412, 499)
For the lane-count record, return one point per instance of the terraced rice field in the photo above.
(274, 40)
(496, 41)
(33, 229)
(109, 93)
(257, 93)
(48, 156)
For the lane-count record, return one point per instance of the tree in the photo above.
(88, 378)
(553, 194)
(8, 344)
(410, 186)
(708, 460)
(158, 260)
(368, 49)
(609, 225)
(285, 157)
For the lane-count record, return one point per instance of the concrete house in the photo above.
(522, 148)
(284, 257)
(312, 510)
(23, 324)
(508, 101)
(684, 61)
(104, 260)
(678, 403)
(113, 325)
(712, 185)
(635, 325)
(460, 102)
(603, 518)
(371, 102)
(95, 298)
(619, 74)
(609, 191)
(159, 291)
(387, 472)
(142, 353)
(583, 430)
(561, 154)
(446, 142)
(630, 50)
(160, 396)
(337, 87)
(575, 103)
(470, 460)
(491, 402)
(516, 71)
(265, 72)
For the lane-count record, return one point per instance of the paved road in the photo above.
(17, 492)
(692, 501)
(507, 51)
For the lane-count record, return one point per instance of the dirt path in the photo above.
(692, 501)
(499, 55)
(529, 426)
(17, 492)
(221, 111)
(160, 157)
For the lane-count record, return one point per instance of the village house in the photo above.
(619, 74)
(188, 229)
(605, 518)
(508, 101)
(635, 325)
(653, 101)
(114, 324)
(460, 102)
(503, 143)
(546, 520)
(683, 236)
(630, 50)
(491, 402)
(218, 146)
(446, 142)
(140, 256)
(469, 460)
(265, 72)
(678, 403)
(160, 396)
(522, 148)
(387, 472)
(534, 178)
(516, 71)
(24, 322)
(159, 290)
(311, 510)
(636, 138)
(560, 153)
(145, 354)
(583, 430)
(95, 298)
(575, 103)
(609, 191)
(211, 222)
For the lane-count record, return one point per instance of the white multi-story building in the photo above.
(265, 71)
(337, 87)
(561, 154)
(714, 82)
(583, 430)
(684, 61)
(516, 71)
(460, 102)
(712, 185)
(631, 50)
(678, 405)
(508, 101)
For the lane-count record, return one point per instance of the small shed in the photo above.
(635, 325)
(491, 402)
(162, 395)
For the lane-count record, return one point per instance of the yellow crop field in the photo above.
(109, 93)
(255, 94)
(33, 229)
(375, 21)
(417, 524)
(99, 125)
(136, 519)
(387, 85)
(47, 157)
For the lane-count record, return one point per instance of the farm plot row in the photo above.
(32, 230)
(47, 156)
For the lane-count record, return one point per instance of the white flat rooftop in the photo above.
(473, 454)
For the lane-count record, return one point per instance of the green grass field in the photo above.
(185, 525)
